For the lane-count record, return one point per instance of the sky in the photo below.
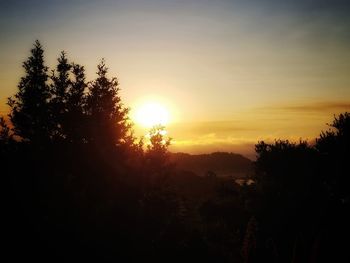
(231, 73)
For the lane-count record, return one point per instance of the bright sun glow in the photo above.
(150, 114)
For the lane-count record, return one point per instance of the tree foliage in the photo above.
(304, 193)
(5, 135)
(75, 131)
(30, 112)
(157, 155)
(108, 119)
(334, 147)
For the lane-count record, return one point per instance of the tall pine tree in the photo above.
(108, 120)
(68, 100)
(30, 113)
(61, 83)
(75, 119)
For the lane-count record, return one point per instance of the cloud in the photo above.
(214, 139)
(210, 127)
(323, 106)
(316, 107)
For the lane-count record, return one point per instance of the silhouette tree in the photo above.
(157, 153)
(108, 121)
(283, 163)
(68, 100)
(289, 189)
(60, 86)
(30, 113)
(75, 118)
(334, 146)
(4, 131)
(6, 140)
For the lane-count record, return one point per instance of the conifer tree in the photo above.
(61, 83)
(75, 96)
(30, 113)
(108, 119)
(68, 100)
(76, 101)
(157, 151)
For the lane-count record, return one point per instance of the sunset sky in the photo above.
(230, 73)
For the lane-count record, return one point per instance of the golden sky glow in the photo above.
(227, 73)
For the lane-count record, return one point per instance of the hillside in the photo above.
(223, 164)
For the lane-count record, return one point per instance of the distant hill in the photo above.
(222, 164)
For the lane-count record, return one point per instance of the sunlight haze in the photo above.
(151, 114)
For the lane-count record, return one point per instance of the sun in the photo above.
(150, 114)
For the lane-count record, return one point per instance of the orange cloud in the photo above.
(324, 106)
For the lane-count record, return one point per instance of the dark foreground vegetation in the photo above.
(79, 187)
